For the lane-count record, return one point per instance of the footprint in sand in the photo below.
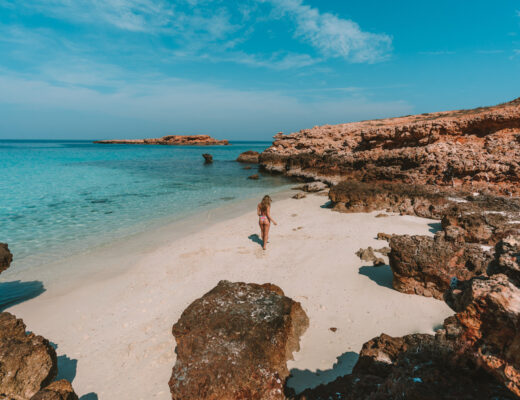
(294, 215)
(297, 229)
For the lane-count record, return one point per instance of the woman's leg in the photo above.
(266, 233)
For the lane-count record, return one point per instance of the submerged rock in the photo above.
(249, 156)
(234, 342)
(5, 257)
(254, 177)
(208, 158)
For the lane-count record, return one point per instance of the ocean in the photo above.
(62, 197)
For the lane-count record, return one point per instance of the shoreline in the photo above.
(63, 275)
(113, 331)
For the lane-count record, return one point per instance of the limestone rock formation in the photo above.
(5, 257)
(369, 255)
(426, 266)
(299, 195)
(171, 140)
(314, 187)
(466, 148)
(27, 361)
(507, 259)
(59, 390)
(234, 342)
(249, 156)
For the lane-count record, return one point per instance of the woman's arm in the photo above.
(269, 216)
(258, 210)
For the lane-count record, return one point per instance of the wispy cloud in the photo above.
(333, 36)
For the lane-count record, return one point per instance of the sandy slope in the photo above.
(114, 335)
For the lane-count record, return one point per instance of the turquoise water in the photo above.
(60, 197)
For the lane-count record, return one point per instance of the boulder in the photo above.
(249, 156)
(234, 342)
(426, 266)
(313, 187)
(253, 177)
(208, 158)
(5, 257)
(507, 259)
(59, 390)
(27, 361)
(299, 196)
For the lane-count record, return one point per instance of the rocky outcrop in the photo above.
(171, 140)
(254, 177)
(487, 326)
(477, 148)
(208, 158)
(411, 367)
(476, 355)
(369, 255)
(59, 390)
(5, 257)
(314, 187)
(426, 266)
(249, 156)
(27, 361)
(234, 342)
(507, 259)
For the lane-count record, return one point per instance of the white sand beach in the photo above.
(113, 331)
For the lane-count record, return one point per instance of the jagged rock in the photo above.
(313, 187)
(27, 361)
(472, 149)
(382, 215)
(249, 156)
(254, 177)
(5, 257)
(172, 140)
(59, 390)
(247, 167)
(383, 250)
(479, 224)
(299, 196)
(507, 259)
(487, 325)
(426, 266)
(234, 342)
(423, 201)
(411, 367)
(384, 236)
(208, 158)
(366, 254)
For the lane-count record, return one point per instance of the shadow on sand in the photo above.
(16, 292)
(382, 275)
(305, 379)
(89, 396)
(435, 227)
(255, 238)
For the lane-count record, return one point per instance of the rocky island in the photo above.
(172, 140)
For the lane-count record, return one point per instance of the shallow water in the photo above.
(61, 197)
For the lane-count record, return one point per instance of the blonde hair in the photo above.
(265, 203)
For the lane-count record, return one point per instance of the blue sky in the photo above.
(81, 69)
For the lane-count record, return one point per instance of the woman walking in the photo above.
(264, 213)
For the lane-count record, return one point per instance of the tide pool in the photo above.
(61, 197)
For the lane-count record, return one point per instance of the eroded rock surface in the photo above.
(5, 257)
(249, 156)
(171, 140)
(466, 148)
(426, 266)
(59, 390)
(27, 361)
(234, 342)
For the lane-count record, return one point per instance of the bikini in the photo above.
(263, 218)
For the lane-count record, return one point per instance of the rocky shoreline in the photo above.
(477, 148)
(171, 140)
